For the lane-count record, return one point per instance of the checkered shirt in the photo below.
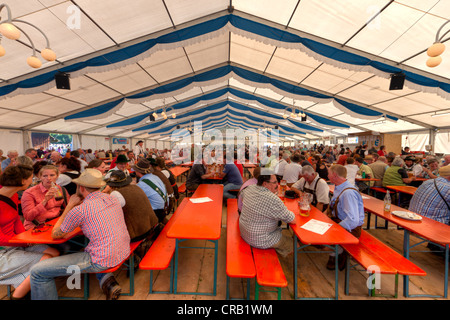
(100, 217)
(261, 212)
(426, 200)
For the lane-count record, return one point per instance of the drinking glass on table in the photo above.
(304, 203)
(283, 186)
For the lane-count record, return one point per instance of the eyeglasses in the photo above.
(276, 181)
(43, 227)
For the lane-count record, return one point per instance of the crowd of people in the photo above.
(126, 195)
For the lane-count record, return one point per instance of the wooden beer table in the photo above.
(201, 221)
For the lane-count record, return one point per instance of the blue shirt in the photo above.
(5, 163)
(156, 200)
(350, 208)
(426, 200)
(233, 174)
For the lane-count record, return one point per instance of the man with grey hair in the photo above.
(55, 156)
(11, 160)
(446, 160)
(379, 168)
(312, 183)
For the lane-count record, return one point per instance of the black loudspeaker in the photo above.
(397, 81)
(152, 118)
(276, 127)
(62, 80)
(178, 127)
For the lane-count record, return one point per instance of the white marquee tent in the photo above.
(229, 63)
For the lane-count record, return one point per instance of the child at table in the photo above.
(16, 262)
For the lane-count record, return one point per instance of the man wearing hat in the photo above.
(153, 187)
(101, 220)
(411, 166)
(432, 199)
(121, 165)
(139, 151)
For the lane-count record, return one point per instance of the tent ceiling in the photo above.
(331, 59)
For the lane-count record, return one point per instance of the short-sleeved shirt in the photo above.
(101, 219)
(260, 214)
(292, 171)
(155, 198)
(322, 189)
(427, 201)
(232, 174)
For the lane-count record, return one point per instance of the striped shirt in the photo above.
(261, 212)
(426, 200)
(100, 217)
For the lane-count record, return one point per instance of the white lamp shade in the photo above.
(155, 115)
(9, 31)
(2, 51)
(436, 49)
(174, 115)
(434, 61)
(48, 54)
(34, 62)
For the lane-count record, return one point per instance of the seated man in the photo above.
(233, 179)
(411, 165)
(293, 170)
(346, 208)
(249, 182)
(101, 220)
(153, 187)
(366, 171)
(120, 164)
(432, 200)
(312, 183)
(262, 209)
(196, 176)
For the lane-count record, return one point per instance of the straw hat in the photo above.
(90, 178)
(118, 178)
(444, 171)
(143, 166)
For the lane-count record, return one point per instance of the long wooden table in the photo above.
(332, 238)
(178, 170)
(201, 221)
(403, 189)
(426, 229)
(43, 237)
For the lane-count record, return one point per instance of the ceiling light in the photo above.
(436, 49)
(9, 30)
(155, 115)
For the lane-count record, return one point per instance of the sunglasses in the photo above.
(41, 228)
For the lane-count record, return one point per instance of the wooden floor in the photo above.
(195, 274)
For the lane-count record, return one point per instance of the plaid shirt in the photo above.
(427, 201)
(261, 211)
(100, 217)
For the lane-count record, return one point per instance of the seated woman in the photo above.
(97, 164)
(69, 169)
(16, 262)
(44, 201)
(320, 167)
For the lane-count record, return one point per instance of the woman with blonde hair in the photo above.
(44, 201)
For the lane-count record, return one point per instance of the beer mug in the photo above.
(304, 203)
(283, 188)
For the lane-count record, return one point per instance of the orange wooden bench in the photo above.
(374, 254)
(160, 255)
(269, 272)
(239, 258)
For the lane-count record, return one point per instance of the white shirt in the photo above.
(352, 170)
(292, 171)
(279, 169)
(138, 150)
(322, 190)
